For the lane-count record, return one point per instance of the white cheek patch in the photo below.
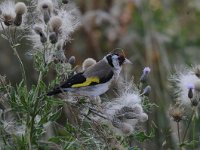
(114, 57)
(115, 62)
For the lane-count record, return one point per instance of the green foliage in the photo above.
(141, 136)
(147, 105)
(189, 144)
(33, 109)
(133, 148)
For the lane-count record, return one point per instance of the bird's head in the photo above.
(116, 59)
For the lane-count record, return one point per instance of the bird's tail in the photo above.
(54, 92)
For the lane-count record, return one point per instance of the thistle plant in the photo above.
(30, 109)
(185, 86)
(32, 120)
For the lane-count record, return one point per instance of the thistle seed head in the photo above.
(55, 24)
(143, 117)
(130, 115)
(125, 109)
(8, 20)
(8, 12)
(88, 62)
(116, 122)
(126, 128)
(20, 8)
(46, 7)
(176, 112)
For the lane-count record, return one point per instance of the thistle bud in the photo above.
(40, 32)
(145, 74)
(190, 91)
(194, 102)
(46, 16)
(88, 62)
(43, 38)
(197, 71)
(147, 90)
(65, 1)
(72, 60)
(53, 37)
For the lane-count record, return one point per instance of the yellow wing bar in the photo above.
(87, 82)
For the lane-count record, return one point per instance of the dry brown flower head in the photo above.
(176, 112)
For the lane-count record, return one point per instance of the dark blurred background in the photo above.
(161, 34)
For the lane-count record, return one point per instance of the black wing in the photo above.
(75, 79)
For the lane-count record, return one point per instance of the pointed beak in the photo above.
(127, 61)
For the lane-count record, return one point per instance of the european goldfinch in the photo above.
(96, 79)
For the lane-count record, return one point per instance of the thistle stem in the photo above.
(190, 120)
(34, 113)
(179, 137)
(21, 64)
(193, 132)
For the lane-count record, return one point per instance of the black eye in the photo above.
(121, 60)
(118, 57)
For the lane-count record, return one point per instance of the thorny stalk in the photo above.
(179, 137)
(21, 63)
(13, 46)
(33, 114)
(193, 132)
(188, 125)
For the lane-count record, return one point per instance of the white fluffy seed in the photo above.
(55, 24)
(20, 8)
(88, 62)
